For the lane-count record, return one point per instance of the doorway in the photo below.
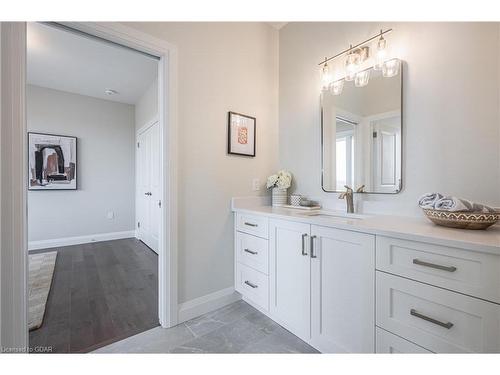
(91, 282)
(14, 43)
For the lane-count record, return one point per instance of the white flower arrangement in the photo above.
(281, 180)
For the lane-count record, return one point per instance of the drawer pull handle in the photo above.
(447, 325)
(436, 266)
(251, 285)
(304, 244)
(250, 251)
(251, 224)
(312, 247)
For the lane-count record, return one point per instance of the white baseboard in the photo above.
(202, 305)
(68, 241)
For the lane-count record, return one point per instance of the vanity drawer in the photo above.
(253, 285)
(469, 272)
(387, 342)
(253, 251)
(439, 320)
(253, 224)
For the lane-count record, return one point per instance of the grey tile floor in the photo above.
(236, 328)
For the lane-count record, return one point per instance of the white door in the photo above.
(290, 276)
(386, 148)
(342, 291)
(148, 186)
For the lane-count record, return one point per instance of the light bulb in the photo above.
(326, 76)
(351, 66)
(336, 87)
(381, 53)
(390, 68)
(362, 78)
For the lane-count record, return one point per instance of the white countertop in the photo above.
(415, 229)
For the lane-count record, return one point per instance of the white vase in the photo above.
(279, 196)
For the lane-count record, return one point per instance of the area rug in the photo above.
(41, 270)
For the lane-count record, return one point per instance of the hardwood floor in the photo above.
(101, 292)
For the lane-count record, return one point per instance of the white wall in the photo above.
(450, 113)
(222, 67)
(105, 165)
(146, 109)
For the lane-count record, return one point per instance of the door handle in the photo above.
(433, 265)
(304, 244)
(250, 251)
(446, 325)
(251, 224)
(148, 193)
(312, 247)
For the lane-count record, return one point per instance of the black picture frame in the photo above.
(30, 188)
(230, 146)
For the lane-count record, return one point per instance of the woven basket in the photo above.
(462, 220)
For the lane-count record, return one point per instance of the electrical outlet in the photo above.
(110, 215)
(255, 184)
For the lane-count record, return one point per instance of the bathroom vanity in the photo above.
(370, 284)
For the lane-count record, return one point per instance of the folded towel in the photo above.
(437, 201)
(453, 204)
(429, 200)
(478, 207)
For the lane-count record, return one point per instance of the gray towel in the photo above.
(429, 200)
(453, 204)
(437, 201)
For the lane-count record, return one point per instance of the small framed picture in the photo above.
(241, 134)
(52, 162)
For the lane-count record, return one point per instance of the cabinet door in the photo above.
(343, 290)
(290, 276)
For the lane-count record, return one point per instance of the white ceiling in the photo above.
(66, 61)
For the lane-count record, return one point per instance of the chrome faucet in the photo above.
(348, 195)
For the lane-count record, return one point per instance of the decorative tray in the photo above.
(302, 207)
(462, 220)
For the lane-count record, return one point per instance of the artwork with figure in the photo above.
(52, 162)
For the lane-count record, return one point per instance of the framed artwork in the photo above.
(241, 134)
(52, 162)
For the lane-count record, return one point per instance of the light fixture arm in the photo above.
(379, 35)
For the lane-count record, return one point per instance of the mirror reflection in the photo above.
(361, 135)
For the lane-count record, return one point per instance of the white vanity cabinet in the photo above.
(251, 274)
(322, 284)
(290, 279)
(361, 290)
(342, 290)
(441, 298)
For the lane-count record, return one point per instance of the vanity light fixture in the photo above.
(381, 53)
(337, 86)
(326, 76)
(390, 68)
(351, 64)
(362, 78)
(356, 56)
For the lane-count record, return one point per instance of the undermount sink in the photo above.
(343, 215)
